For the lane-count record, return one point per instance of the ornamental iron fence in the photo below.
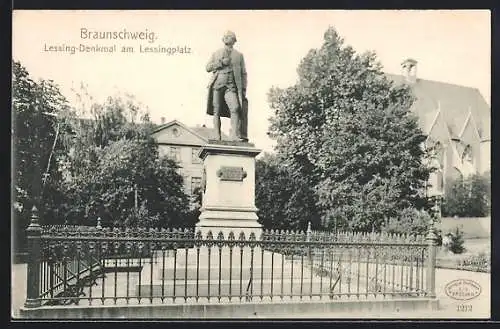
(77, 265)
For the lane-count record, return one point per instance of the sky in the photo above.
(450, 46)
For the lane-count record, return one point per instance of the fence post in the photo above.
(308, 239)
(431, 260)
(34, 233)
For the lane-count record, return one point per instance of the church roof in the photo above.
(453, 101)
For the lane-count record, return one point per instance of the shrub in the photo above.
(480, 262)
(439, 235)
(410, 221)
(139, 217)
(469, 197)
(456, 243)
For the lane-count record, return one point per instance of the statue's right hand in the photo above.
(225, 61)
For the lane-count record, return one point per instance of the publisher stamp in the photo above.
(463, 290)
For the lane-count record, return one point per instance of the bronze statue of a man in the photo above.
(227, 89)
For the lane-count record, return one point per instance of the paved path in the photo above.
(480, 306)
(18, 288)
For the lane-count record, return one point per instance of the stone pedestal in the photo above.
(228, 202)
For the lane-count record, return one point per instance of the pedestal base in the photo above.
(232, 273)
(229, 191)
(217, 225)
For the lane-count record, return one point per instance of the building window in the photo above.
(185, 181)
(456, 174)
(439, 154)
(194, 155)
(195, 183)
(162, 150)
(439, 181)
(174, 153)
(176, 132)
(467, 155)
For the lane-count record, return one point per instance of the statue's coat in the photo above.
(240, 78)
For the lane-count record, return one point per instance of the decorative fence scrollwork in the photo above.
(129, 265)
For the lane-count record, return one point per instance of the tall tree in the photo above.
(349, 130)
(34, 106)
(112, 168)
(285, 201)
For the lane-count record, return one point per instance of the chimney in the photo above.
(409, 70)
(162, 120)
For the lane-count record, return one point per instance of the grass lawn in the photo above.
(477, 245)
(473, 247)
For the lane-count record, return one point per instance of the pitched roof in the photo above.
(454, 101)
(208, 133)
(201, 131)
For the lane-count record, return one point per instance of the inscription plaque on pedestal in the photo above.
(236, 174)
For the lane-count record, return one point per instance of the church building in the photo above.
(456, 120)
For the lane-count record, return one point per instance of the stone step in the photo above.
(202, 273)
(232, 288)
(237, 257)
(193, 272)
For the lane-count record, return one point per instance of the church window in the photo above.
(467, 154)
(439, 153)
(439, 180)
(456, 174)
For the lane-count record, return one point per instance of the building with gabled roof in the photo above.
(456, 120)
(182, 144)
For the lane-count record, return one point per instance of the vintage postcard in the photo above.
(275, 164)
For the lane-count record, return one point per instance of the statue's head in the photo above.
(229, 38)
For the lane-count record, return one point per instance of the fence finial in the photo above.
(35, 219)
(99, 223)
(431, 234)
(308, 231)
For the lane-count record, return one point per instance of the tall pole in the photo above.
(431, 239)
(34, 230)
(46, 174)
(439, 203)
(135, 197)
(37, 175)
